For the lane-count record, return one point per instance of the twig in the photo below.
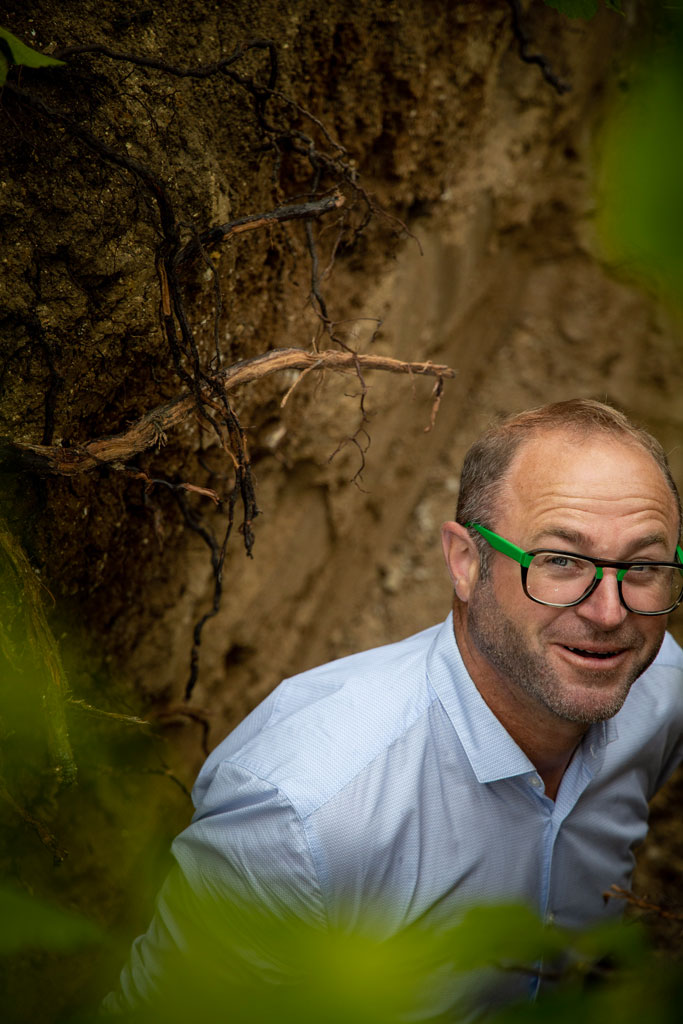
(42, 831)
(144, 433)
(199, 71)
(99, 713)
(523, 43)
(151, 482)
(307, 114)
(616, 892)
(362, 449)
(437, 391)
(216, 361)
(296, 211)
(139, 171)
(315, 275)
(217, 560)
(285, 399)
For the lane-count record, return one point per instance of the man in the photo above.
(508, 754)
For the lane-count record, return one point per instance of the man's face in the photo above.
(599, 497)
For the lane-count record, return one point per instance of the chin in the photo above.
(589, 705)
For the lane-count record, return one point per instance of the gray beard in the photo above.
(506, 649)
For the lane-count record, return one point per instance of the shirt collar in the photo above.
(491, 751)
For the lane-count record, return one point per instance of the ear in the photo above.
(462, 558)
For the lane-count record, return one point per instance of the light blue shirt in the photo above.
(381, 787)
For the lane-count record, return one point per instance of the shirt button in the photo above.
(592, 749)
(550, 918)
(535, 781)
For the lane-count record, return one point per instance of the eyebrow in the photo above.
(581, 540)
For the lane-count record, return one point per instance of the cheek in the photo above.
(506, 579)
(528, 617)
(652, 628)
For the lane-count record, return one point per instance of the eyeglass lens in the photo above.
(554, 578)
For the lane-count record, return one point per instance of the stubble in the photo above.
(513, 658)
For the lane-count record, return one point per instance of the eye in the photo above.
(556, 563)
(647, 571)
(559, 561)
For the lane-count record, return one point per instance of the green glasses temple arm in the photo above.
(506, 547)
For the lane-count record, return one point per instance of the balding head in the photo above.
(489, 459)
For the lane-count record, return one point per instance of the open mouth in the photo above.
(598, 655)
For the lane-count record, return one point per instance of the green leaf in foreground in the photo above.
(13, 51)
(28, 923)
(640, 214)
(506, 933)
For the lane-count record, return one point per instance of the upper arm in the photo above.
(244, 880)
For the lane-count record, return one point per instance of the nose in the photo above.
(604, 608)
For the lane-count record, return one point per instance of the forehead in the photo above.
(593, 482)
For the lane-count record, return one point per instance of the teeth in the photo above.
(593, 654)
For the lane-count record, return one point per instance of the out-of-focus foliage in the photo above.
(239, 963)
(266, 968)
(217, 957)
(46, 843)
(33, 723)
(640, 183)
(13, 51)
(30, 923)
(36, 759)
(215, 953)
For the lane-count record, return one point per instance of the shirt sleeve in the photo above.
(243, 882)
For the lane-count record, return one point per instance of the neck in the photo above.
(547, 740)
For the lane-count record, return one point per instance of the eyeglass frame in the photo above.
(525, 558)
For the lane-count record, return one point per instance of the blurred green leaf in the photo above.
(13, 51)
(640, 216)
(625, 943)
(504, 934)
(29, 923)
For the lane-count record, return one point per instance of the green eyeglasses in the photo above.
(562, 579)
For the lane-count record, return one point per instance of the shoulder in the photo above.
(670, 655)
(318, 730)
(654, 706)
(649, 727)
(664, 679)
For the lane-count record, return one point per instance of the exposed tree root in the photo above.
(295, 211)
(333, 183)
(151, 429)
(39, 827)
(523, 44)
